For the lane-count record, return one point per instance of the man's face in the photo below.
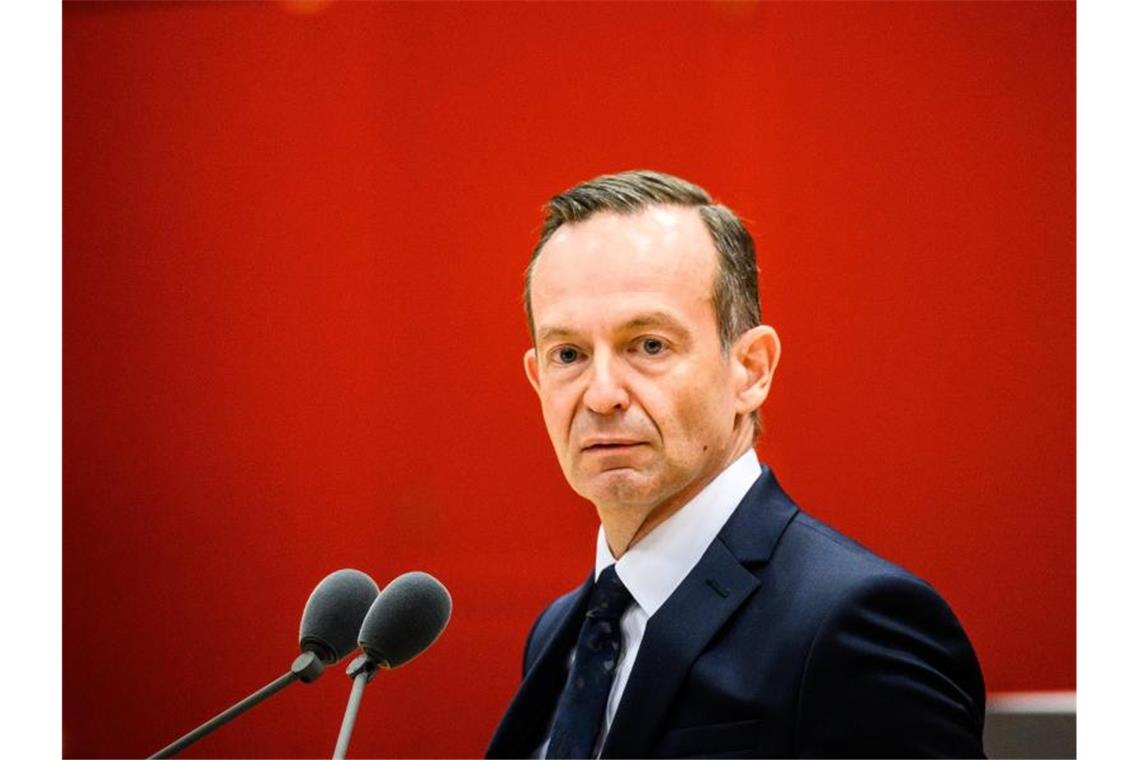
(637, 395)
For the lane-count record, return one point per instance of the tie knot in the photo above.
(609, 598)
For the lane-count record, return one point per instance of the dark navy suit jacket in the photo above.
(786, 640)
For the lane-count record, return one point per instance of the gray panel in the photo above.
(1028, 734)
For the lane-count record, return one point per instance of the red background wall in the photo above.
(293, 244)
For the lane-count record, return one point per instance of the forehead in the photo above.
(659, 258)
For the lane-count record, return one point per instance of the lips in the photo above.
(609, 444)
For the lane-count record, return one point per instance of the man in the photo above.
(720, 619)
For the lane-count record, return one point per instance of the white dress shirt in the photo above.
(654, 567)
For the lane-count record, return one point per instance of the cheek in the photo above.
(557, 410)
(696, 416)
(702, 417)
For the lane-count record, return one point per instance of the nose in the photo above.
(605, 391)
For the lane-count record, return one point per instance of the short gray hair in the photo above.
(736, 296)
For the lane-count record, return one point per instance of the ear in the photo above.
(755, 355)
(530, 366)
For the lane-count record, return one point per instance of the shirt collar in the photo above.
(655, 566)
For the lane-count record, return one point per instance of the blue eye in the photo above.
(566, 355)
(653, 346)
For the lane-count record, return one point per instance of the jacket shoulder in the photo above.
(830, 561)
(889, 668)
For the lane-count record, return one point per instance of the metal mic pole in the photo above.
(305, 668)
(361, 670)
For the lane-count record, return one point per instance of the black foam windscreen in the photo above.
(406, 618)
(334, 613)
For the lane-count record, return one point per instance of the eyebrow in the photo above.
(656, 319)
(661, 319)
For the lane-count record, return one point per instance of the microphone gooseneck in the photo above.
(329, 626)
(404, 620)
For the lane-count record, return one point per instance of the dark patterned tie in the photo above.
(582, 706)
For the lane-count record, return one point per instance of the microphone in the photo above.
(334, 612)
(329, 624)
(404, 620)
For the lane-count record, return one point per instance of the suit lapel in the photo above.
(525, 722)
(674, 636)
(678, 632)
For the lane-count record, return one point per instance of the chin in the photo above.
(621, 486)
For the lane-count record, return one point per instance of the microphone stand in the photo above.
(306, 668)
(361, 670)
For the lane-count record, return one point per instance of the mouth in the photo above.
(610, 446)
